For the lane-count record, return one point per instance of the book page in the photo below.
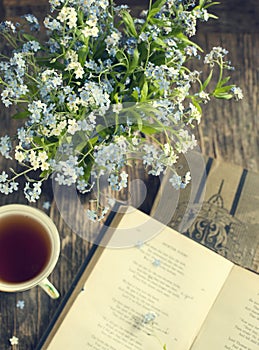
(233, 322)
(155, 293)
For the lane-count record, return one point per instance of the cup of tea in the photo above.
(29, 249)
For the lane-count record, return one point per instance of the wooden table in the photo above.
(229, 131)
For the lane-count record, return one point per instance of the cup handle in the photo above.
(48, 287)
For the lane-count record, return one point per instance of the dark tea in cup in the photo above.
(29, 249)
(25, 248)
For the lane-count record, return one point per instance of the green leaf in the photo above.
(21, 115)
(213, 16)
(88, 168)
(116, 98)
(144, 92)
(134, 61)
(197, 105)
(149, 130)
(184, 39)
(151, 14)
(158, 4)
(29, 37)
(210, 4)
(129, 23)
(82, 54)
(140, 123)
(80, 16)
(44, 174)
(103, 131)
(223, 96)
(122, 58)
(135, 118)
(158, 59)
(99, 128)
(81, 146)
(135, 95)
(82, 38)
(38, 140)
(223, 92)
(223, 82)
(160, 42)
(47, 62)
(207, 81)
(68, 139)
(223, 89)
(93, 140)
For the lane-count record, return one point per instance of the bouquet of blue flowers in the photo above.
(95, 84)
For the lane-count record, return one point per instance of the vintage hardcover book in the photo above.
(167, 292)
(220, 211)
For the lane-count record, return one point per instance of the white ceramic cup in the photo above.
(49, 228)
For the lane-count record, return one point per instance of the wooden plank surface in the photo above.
(229, 131)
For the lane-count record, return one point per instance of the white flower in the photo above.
(156, 262)
(32, 194)
(149, 317)
(68, 14)
(237, 92)
(116, 108)
(113, 39)
(205, 97)
(135, 140)
(90, 31)
(176, 181)
(77, 68)
(195, 113)
(42, 156)
(187, 177)
(122, 142)
(3, 176)
(44, 166)
(72, 126)
(19, 155)
(4, 188)
(91, 214)
(46, 205)
(167, 149)
(14, 340)
(33, 160)
(124, 179)
(20, 304)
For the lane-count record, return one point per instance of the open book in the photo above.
(166, 293)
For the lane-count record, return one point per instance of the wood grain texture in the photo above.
(229, 131)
